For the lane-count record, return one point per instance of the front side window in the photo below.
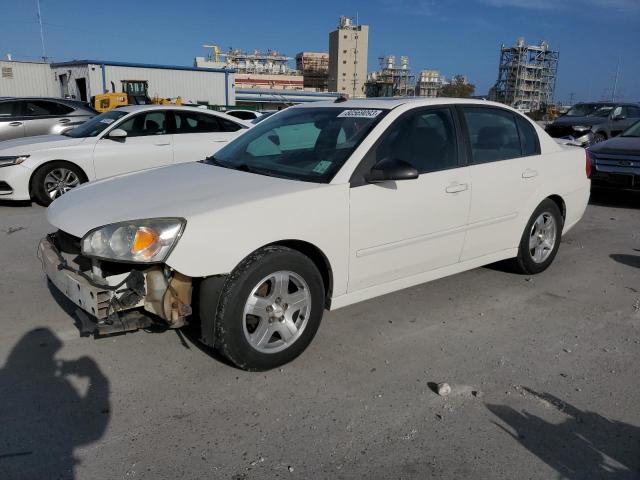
(40, 108)
(426, 139)
(309, 144)
(631, 112)
(146, 124)
(492, 133)
(96, 125)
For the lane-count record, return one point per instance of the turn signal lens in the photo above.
(146, 242)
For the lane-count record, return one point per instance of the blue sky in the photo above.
(453, 36)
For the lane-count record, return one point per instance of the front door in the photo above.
(404, 228)
(147, 145)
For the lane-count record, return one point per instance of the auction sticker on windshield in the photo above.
(360, 113)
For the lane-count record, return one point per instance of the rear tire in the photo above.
(540, 240)
(55, 179)
(269, 309)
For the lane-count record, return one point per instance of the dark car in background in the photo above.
(615, 163)
(589, 123)
(25, 117)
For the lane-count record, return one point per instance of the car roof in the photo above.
(388, 103)
(139, 108)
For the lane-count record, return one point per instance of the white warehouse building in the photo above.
(83, 79)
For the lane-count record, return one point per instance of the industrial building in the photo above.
(26, 79)
(348, 49)
(270, 99)
(314, 67)
(430, 83)
(526, 76)
(83, 79)
(391, 80)
(269, 70)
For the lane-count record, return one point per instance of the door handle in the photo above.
(15, 124)
(161, 144)
(64, 120)
(457, 187)
(220, 141)
(528, 173)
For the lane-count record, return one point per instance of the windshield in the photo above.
(309, 144)
(96, 125)
(633, 131)
(589, 110)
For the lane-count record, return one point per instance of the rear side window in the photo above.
(243, 115)
(528, 137)
(9, 109)
(192, 122)
(493, 134)
(228, 125)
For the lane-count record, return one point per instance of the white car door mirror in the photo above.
(117, 134)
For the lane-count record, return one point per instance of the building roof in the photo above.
(75, 63)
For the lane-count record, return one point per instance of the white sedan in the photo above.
(317, 208)
(119, 141)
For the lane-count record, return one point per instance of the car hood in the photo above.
(189, 190)
(571, 121)
(618, 145)
(27, 145)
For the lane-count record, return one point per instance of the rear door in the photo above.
(404, 228)
(199, 134)
(148, 144)
(11, 120)
(43, 117)
(506, 169)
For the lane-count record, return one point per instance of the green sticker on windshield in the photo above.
(322, 166)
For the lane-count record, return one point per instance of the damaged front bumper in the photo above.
(121, 297)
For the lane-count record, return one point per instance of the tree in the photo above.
(458, 87)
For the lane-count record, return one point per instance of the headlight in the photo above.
(12, 160)
(139, 241)
(582, 128)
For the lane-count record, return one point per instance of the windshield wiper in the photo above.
(243, 167)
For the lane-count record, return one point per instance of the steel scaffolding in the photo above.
(526, 76)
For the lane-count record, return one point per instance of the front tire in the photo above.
(540, 240)
(269, 309)
(55, 179)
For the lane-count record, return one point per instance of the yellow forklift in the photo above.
(134, 92)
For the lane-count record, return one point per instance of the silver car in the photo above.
(25, 117)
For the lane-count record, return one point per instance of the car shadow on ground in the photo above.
(15, 203)
(50, 407)
(585, 445)
(615, 198)
(630, 260)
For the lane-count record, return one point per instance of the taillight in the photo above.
(588, 163)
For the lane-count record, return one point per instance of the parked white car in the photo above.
(120, 141)
(322, 206)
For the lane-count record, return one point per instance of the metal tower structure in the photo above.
(526, 76)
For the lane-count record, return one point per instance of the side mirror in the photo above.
(274, 138)
(388, 170)
(117, 134)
